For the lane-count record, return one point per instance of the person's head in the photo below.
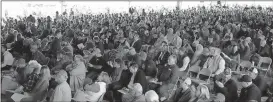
(195, 43)
(253, 73)
(136, 89)
(151, 96)
(172, 60)
(58, 33)
(133, 67)
(45, 72)
(206, 52)
(228, 30)
(235, 48)
(263, 43)
(117, 63)
(61, 76)
(245, 80)
(186, 84)
(175, 50)
(78, 58)
(227, 75)
(97, 52)
(202, 91)
(182, 51)
(3, 48)
(21, 63)
(146, 32)
(164, 46)
(170, 31)
(104, 77)
(33, 47)
(136, 37)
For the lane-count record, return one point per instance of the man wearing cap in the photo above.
(258, 80)
(249, 91)
(229, 88)
(62, 92)
(242, 32)
(184, 93)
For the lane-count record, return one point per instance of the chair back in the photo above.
(205, 72)
(264, 60)
(245, 64)
(193, 69)
(101, 98)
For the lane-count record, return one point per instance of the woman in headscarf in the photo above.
(77, 72)
(39, 92)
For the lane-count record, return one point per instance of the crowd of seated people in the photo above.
(217, 54)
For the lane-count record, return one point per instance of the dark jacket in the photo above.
(141, 79)
(181, 96)
(261, 84)
(137, 45)
(164, 59)
(40, 58)
(250, 93)
(229, 90)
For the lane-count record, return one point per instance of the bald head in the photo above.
(151, 96)
(138, 88)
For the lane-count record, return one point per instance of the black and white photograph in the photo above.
(136, 51)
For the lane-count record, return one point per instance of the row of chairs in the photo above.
(264, 64)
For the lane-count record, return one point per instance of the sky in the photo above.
(22, 8)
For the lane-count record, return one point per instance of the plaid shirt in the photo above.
(32, 79)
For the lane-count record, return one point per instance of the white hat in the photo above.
(188, 81)
(254, 70)
(151, 96)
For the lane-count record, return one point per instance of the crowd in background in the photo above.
(218, 54)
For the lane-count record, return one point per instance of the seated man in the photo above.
(62, 92)
(249, 91)
(183, 93)
(97, 64)
(162, 57)
(228, 88)
(215, 63)
(258, 80)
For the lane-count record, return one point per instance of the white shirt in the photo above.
(94, 97)
(8, 59)
(62, 93)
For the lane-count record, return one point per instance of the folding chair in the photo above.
(204, 72)
(244, 64)
(193, 70)
(101, 98)
(264, 64)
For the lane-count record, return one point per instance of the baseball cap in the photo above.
(245, 78)
(187, 81)
(253, 70)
